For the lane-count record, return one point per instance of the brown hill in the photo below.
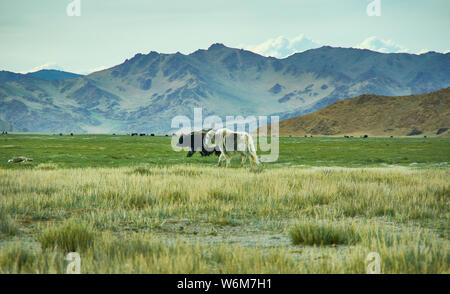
(425, 114)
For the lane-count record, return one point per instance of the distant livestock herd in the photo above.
(223, 142)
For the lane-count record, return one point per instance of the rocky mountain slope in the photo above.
(374, 115)
(145, 92)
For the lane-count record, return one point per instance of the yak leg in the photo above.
(221, 158)
(228, 162)
(228, 159)
(253, 158)
(244, 157)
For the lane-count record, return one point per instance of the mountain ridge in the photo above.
(53, 74)
(43, 74)
(374, 115)
(145, 91)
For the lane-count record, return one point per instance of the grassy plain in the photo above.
(132, 205)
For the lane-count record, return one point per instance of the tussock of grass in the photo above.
(186, 172)
(178, 171)
(140, 200)
(7, 224)
(68, 237)
(322, 233)
(17, 259)
(417, 258)
(221, 195)
(47, 166)
(143, 171)
(7, 227)
(256, 169)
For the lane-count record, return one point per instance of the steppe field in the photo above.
(133, 205)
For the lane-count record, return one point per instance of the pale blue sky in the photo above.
(37, 34)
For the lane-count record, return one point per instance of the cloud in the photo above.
(423, 51)
(48, 65)
(95, 69)
(281, 46)
(385, 46)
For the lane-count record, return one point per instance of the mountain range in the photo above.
(374, 115)
(44, 74)
(145, 92)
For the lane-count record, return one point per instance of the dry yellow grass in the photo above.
(190, 219)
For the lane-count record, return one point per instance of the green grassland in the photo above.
(132, 205)
(116, 151)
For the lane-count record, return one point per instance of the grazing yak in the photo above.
(231, 144)
(195, 141)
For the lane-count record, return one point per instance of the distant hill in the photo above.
(145, 92)
(53, 74)
(374, 115)
(44, 74)
(7, 76)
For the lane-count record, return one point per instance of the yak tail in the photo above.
(252, 149)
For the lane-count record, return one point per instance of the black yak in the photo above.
(195, 141)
